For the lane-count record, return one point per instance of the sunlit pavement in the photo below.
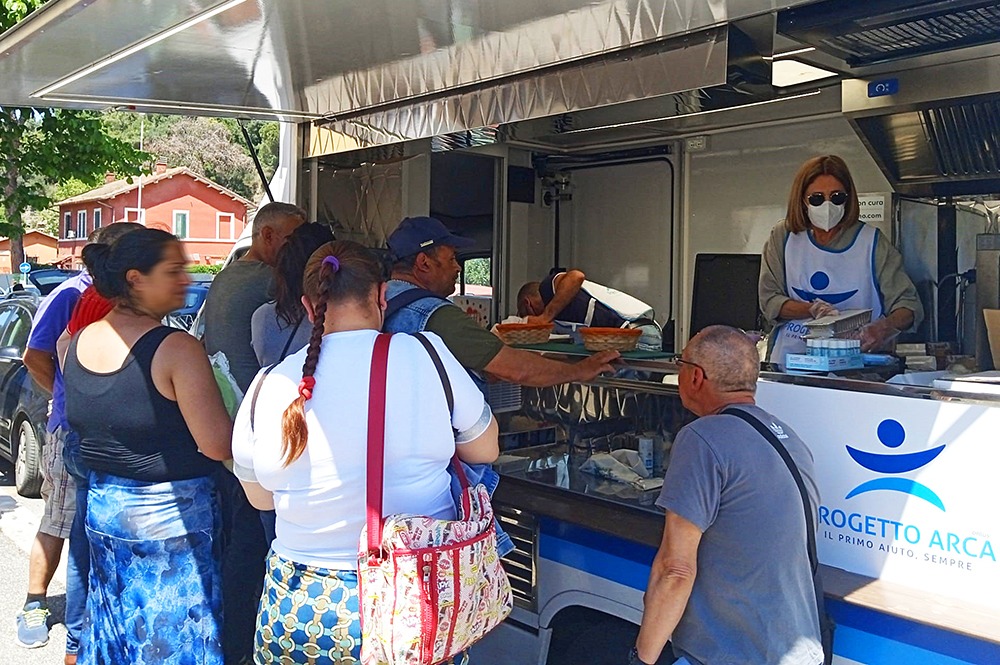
(19, 518)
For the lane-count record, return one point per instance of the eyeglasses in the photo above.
(836, 198)
(681, 361)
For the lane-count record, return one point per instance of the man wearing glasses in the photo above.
(732, 580)
(822, 259)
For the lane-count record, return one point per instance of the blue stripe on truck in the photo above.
(863, 635)
(604, 556)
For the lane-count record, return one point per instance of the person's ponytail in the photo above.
(109, 264)
(96, 257)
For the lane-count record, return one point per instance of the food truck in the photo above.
(651, 143)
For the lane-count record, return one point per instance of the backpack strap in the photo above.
(772, 439)
(408, 297)
(449, 396)
(288, 342)
(376, 440)
(826, 625)
(442, 374)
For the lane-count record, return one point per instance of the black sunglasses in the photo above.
(836, 198)
(681, 361)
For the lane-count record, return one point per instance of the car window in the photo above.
(8, 312)
(194, 297)
(48, 280)
(17, 329)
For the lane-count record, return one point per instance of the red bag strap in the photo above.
(376, 439)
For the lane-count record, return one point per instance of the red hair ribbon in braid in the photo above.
(306, 386)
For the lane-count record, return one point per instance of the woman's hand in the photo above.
(877, 335)
(820, 308)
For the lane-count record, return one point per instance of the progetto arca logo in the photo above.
(892, 434)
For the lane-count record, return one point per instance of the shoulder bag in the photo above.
(429, 588)
(826, 624)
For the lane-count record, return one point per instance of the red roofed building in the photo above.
(207, 217)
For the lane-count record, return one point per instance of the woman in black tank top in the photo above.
(152, 428)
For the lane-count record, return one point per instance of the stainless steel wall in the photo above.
(618, 229)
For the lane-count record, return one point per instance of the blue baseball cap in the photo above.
(419, 234)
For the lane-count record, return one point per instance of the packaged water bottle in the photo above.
(661, 453)
(647, 452)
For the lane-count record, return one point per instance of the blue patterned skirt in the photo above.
(155, 588)
(308, 615)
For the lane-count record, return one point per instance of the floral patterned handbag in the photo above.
(429, 588)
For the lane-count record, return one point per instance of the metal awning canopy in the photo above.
(297, 60)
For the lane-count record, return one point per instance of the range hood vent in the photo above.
(938, 133)
(874, 31)
(967, 137)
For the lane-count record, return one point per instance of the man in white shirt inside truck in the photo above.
(568, 299)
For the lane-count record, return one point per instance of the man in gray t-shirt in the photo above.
(731, 582)
(235, 295)
(244, 286)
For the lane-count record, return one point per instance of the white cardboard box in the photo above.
(478, 307)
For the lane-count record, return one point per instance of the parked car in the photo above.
(23, 403)
(47, 279)
(183, 318)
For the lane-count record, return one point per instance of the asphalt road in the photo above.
(19, 518)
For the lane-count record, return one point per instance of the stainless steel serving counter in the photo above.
(547, 481)
(653, 376)
(544, 481)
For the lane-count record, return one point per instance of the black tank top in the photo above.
(126, 427)
(576, 311)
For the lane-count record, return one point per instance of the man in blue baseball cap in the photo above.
(423, 276)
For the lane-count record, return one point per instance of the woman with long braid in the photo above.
(300, 442)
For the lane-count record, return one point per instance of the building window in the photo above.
(81, 224)
(181, 223)
(68, 231)
(97, 218)
(225, 226)
(135, 215)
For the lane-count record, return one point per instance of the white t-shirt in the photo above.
(320, 497)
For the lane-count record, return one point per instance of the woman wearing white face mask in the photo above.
(822, 259)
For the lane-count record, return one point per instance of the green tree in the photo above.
(42, 147)
(205, 146)
(130, 126)
(477, 271)
(213, 147)
(264, 137)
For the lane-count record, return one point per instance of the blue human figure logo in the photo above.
(819, 282)
(891, 434)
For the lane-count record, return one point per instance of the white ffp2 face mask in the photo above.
(826, 215)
